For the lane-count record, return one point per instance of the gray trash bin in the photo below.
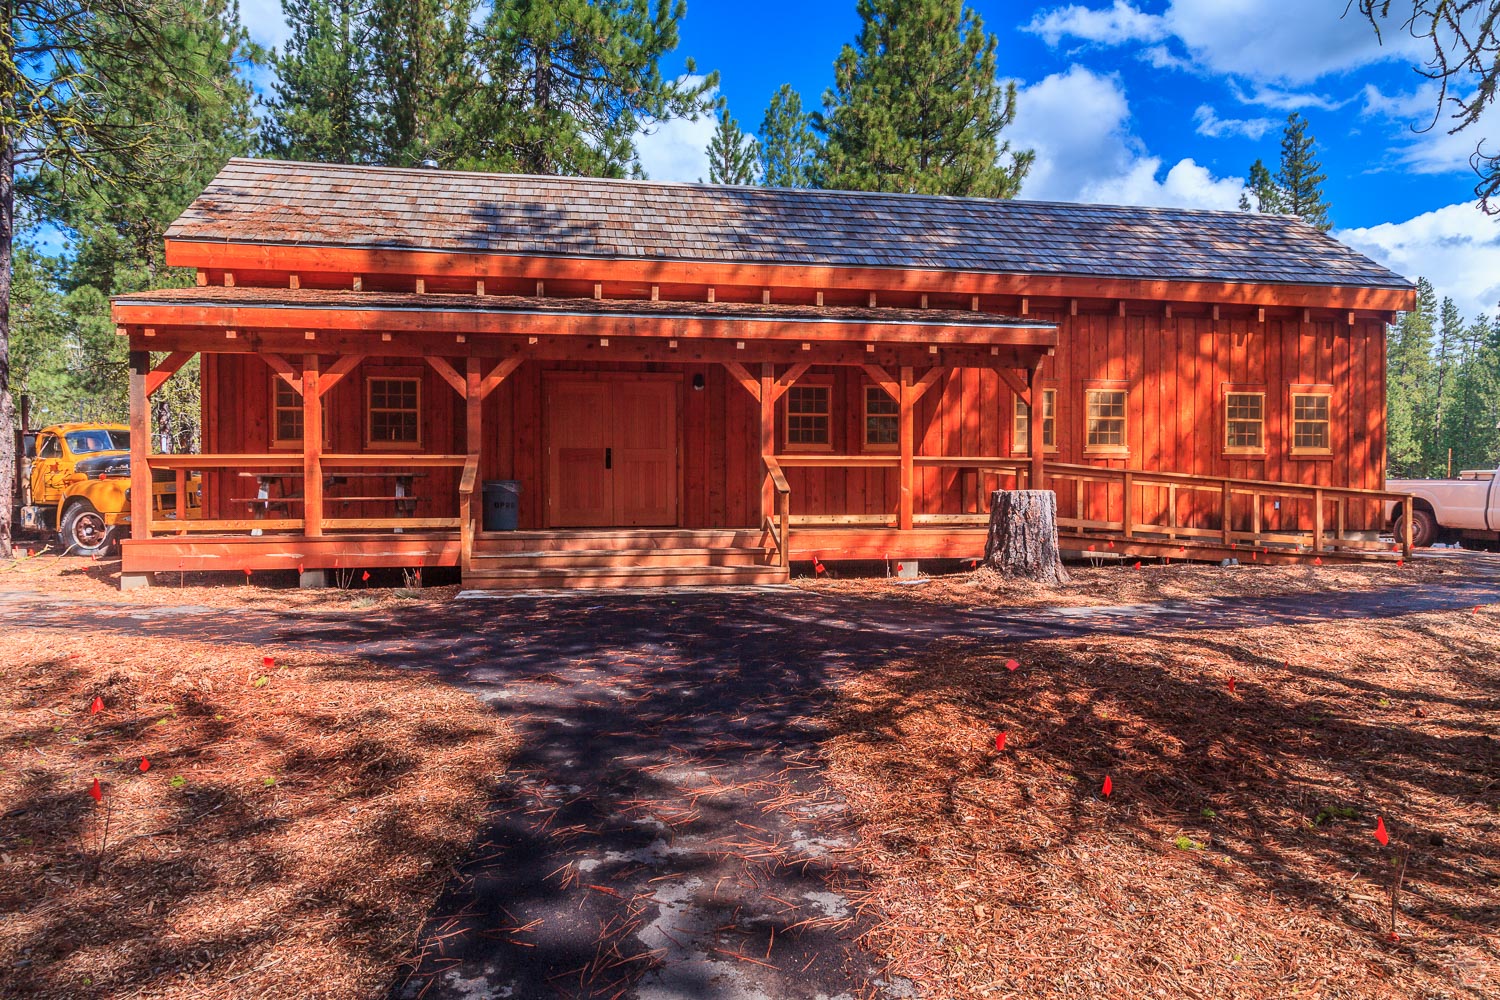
(502, 505)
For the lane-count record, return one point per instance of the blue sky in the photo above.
(1163, 102)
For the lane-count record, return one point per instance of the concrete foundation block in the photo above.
(136, 581)
(312, 579)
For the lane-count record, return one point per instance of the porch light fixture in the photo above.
(698, 382)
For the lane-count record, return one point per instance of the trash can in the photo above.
(502, 505)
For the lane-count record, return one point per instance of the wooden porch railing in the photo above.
(467, 513)
(779, 529)
(181, 465)
(1090, 487)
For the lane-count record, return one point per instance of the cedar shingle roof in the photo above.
(267, 201)
(343, 301)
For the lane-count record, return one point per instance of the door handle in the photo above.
(609, 458)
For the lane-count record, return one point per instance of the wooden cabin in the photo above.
(700, 384)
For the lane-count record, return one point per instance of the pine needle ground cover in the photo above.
(261, 829)
(1235, 855)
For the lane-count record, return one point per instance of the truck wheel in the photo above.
(84, 532)
(1424, 528)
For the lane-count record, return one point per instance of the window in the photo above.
(51, 447)
(807, 416)
(1244, 422)
(1105, 409)
(1310, 423)
(882, 419)
(286, 416)
(391, 417)
(1021, 442)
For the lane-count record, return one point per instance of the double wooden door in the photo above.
(612, 450)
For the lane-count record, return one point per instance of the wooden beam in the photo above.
(282, 367)
(170, 365)
(927, 381)
(312, 449)
(140, 446)
(351, 260)
(473, 440)
(450, 376)
(788, 379)
(906, 419)
(883, 378)
(499, 374)
(1035, 421)
(767, 439)
(739, 373)
(1016, 383)
(345, 364)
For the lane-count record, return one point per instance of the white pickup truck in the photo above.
(1466, 508)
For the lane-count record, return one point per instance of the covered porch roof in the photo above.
(238, 320)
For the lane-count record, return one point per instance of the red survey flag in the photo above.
(96, 706)
(1109, 786)
(1138, 564)
(1000, 741)
(365, 576)
(145, 765)
(1317, 560)
(1231, 685)
(1011, 664)
(96, 792)
(269, 661)
(1380, 832)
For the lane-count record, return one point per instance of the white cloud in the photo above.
(1211, 125)
(1422, 143)
(677, 149)
(1118, 24)
(1079, 124)
(1285, 100)
(1457, 248)
(1267, 41)
(265, 21)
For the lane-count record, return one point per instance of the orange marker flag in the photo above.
(1000, 741)
(1317, 560)
(1380, 832)
(96, 792)
(1109, 786)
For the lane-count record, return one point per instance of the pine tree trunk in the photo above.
(8, 459)
(1023, 536)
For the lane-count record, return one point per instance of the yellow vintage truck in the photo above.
(77, 485)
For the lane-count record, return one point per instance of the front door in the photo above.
(612, 451)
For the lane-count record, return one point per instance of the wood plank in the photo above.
(283, 368)
(312, 449)
(742, 375)
(335, 373)
(450, 375)
(170, 365)
(140, 444)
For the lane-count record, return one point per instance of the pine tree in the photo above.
(424, 72)
(1409, 377)
(1299, 182)
(788, 145)
(1261, 193)
(916, 106)
(323, 103)
(569, 83)
(1436, 406)
(731, 153)
(1471, 429)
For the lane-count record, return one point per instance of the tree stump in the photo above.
(1023, 536)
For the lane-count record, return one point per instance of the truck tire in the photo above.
(1424, 528)
(84, 532)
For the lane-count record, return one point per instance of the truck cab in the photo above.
(1466, 508)
(78, 486)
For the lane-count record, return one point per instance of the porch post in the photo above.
(767, 439)
(141, 499)
(473, 428)
(908, 405)
(312, 448)
(1038, 416)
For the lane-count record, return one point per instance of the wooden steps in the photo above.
(605, 558)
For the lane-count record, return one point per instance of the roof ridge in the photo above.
(767, 189)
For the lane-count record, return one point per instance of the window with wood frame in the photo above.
(1105, 420)
(393, 412)
(1244, 422)
(882, 420)
(809, 417)
(1021, 432)
(1312, 422)
(286, 414)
